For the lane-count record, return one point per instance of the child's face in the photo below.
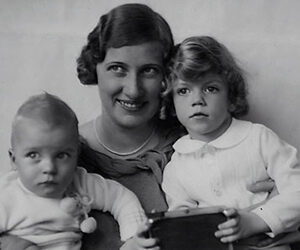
(202, 106)
(45, 157)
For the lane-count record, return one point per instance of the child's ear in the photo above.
(12, 158)
(231, 108)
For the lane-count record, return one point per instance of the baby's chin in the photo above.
(49, 190)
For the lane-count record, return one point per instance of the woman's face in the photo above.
(129, 81)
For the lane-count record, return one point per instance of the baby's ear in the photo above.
(11, 155)
(12, 158)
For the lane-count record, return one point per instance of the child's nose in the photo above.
(198, 99)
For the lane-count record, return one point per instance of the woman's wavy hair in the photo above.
(125, 25)
(199, 55)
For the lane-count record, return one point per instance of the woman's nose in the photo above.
(133, 86)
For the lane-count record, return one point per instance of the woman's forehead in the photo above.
(145, 53)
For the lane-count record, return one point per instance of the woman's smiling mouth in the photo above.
(131, 105)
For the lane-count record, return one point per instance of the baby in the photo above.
(47, 198)
(221, 155)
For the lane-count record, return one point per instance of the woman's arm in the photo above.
(292, 239)
(264, 186)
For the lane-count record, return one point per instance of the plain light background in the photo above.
(41, 39)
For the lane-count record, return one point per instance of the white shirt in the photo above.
(204, 174)
(44, 222)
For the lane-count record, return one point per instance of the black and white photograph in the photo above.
(149, 125)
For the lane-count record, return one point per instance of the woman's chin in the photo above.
(134, 119)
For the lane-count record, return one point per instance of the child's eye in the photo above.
(32, 155)
(211, 89)
(62, 156)
(183, 91)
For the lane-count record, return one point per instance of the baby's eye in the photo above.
(62, 156)
(32, 155)
(183, 91)
(211, 89)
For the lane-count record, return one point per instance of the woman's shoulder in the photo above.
(87, 134)
(170, 130)
(86, 129)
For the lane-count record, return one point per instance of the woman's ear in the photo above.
(163, 86)
(97, 71)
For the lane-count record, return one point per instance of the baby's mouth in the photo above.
(131, 105)
(49, 183)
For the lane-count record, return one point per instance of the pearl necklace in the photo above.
(121, 153)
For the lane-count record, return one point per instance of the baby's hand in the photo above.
(240, 225)
(9, 242)
(139, 241)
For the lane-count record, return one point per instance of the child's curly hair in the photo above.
(199, 55)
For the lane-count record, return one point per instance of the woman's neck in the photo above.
(120, 140)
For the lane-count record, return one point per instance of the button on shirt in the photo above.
(204, 174)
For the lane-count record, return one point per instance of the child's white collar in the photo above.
(235, 134)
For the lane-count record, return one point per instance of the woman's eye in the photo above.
(183, 91)
(211, 89)
(117, 69)
(32, 155)
(63, 156)
(151, 71)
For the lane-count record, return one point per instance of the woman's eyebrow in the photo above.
(153, 64)
(116, 62)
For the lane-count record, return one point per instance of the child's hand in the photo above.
(240, 225)
(229, 231)
(139, 241)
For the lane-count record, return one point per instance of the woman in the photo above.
(125, 56)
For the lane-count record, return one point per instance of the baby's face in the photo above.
(45, 157)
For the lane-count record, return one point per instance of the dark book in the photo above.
(189, 229)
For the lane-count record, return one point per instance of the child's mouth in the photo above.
(198, 115)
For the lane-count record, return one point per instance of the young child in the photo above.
(221, 155)
(47, 198)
